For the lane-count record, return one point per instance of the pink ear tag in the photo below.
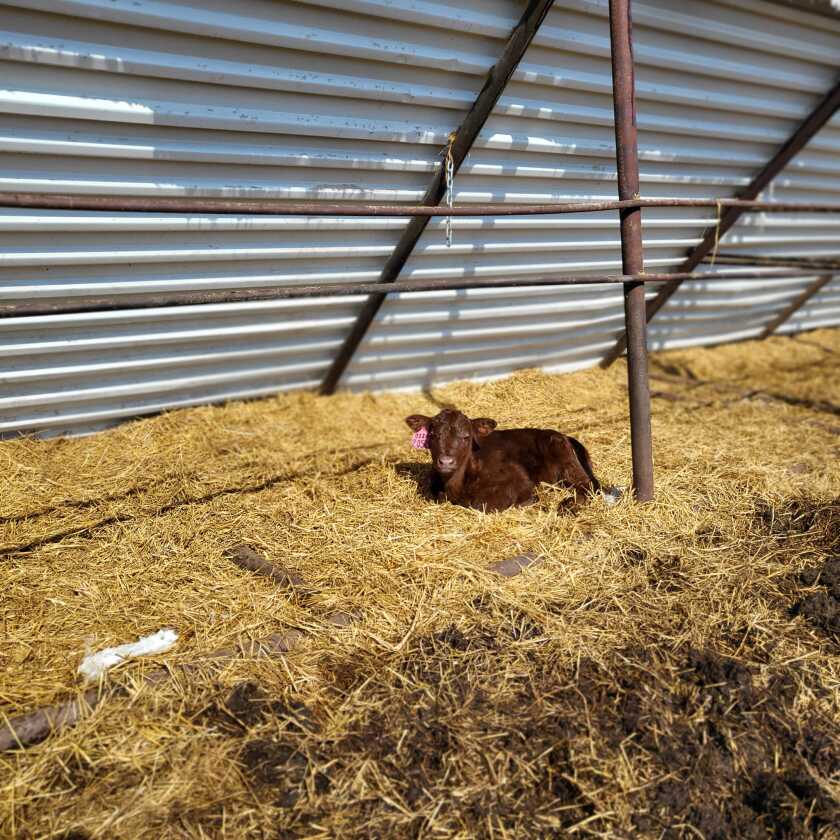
(419, 438)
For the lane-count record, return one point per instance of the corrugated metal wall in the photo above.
(308, 100)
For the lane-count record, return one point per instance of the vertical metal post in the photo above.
(635, 317)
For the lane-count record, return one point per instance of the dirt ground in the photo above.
(662, 671)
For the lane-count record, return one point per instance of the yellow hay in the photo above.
(442, 711)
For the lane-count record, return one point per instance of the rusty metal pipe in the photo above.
(632, 254)
(279, 207)
(113, 303)
(816, 263)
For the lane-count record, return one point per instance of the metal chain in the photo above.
(449, 175)
(717, 233)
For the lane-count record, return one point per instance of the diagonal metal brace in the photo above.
(796, 304)
(463, 138)
(822, 113)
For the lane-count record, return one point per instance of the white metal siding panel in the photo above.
(307, 100)
(797, 235)
(717, 91)
(271, 99)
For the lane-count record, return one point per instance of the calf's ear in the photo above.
(415, 422)
(482, 426)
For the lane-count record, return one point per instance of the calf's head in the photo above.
(452, 437)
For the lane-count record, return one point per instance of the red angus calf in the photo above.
(479, 467)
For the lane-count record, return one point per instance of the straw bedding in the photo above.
(663, 670)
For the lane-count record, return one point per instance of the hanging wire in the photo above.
(449, 176)
(717, 233)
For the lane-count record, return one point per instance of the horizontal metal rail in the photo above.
(277, 207)
(817, 263)
(111, 303)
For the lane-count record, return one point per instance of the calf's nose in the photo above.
(446, 462)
